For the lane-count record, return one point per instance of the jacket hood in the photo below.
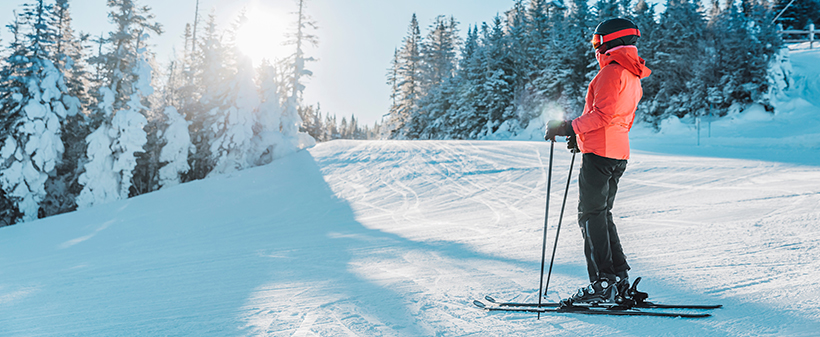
(627, 57)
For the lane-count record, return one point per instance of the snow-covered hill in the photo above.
(397, 238)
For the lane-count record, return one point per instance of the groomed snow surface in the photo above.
(391, 238)
(397, 238)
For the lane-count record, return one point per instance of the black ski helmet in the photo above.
(615, 32)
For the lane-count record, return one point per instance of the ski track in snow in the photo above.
(396, 238)
(738, 232)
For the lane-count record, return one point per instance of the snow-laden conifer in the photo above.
(438, 60)
(33, 98)
(232, 148)
(409, 82)
(210, 70)
(177, 146)
(499, 79)
(269, 142)
(681, 91)
(113, 146)
(70, 59)
(299, 38)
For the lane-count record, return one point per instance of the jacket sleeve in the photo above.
(607, 91)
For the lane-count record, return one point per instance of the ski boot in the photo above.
(601, 291)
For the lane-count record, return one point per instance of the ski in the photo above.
(590, 311)
(640, 305)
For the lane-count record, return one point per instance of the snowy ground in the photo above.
(397, 238)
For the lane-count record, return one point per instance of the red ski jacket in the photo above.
(611, 100)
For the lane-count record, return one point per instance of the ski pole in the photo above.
(546, 220)
(560, 218)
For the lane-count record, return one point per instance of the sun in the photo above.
(262, 35)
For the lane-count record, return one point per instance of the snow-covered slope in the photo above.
(397, 238)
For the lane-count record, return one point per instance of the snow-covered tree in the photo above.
(744, 42)
(270, 143)
(681, 91)
(299, 38)
(799, 14)
(210, 71)
(312, 122)
(460, 119)
(644, 18)
(232, 148)
(573, 59)
(409, 81)
(33, 98)
(69, 54)
(499, 80)
(393, 80)
(177, 146)
(438, 65)
(113, 147)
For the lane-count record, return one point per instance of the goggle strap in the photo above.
(619, 34)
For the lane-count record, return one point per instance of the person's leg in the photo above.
(593, 209)
(619, 265)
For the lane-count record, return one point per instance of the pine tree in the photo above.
(209, 71)
(33, 98)
(68, 50)
(459, 121)
(573, 62)
(269, 141)
(648, 44)
(393, 81)
(799, 15)
(499, 79)
(744, 41)
(681, 91)
(312, 122)
(409, 82)
(233, 147)
(438, 65)
(523, 53)
(175, 152)
(113, 147)
(610, 9)
(300, 38)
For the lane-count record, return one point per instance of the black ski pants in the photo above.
(598, 184)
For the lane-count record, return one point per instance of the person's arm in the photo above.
(604, 107)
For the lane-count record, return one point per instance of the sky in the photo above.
(356, 38)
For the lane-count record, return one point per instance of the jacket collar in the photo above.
(625, 56)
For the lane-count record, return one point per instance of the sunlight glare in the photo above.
(262, 35)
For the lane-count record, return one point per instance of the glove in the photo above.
(572, 144)
(558, 128)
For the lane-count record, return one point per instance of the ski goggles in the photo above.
(599, 39)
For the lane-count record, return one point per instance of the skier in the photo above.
(601, 133)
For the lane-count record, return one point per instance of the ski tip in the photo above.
(479, 304)
(490, 298)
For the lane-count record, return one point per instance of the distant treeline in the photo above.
(538, 56)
